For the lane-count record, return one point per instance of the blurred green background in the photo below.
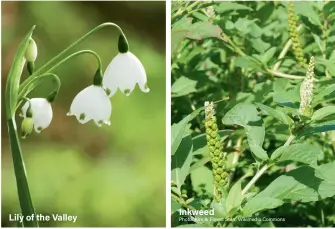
(108, 176)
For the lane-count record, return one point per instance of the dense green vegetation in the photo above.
(269, 68)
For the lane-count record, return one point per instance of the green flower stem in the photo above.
(34, 77)
(289, 140)
(50, 65)
(26, 204)
(35, 82)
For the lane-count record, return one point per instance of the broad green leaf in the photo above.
(248, 27)
(318, 41)
(185, 29)
(301, 152)
(181, 161)
(314, 128)
(307, 10)
(202, 178)
(183, 86)
(329, 8)
(234, 198)
(248, 62)
(177, 133)
(286, 95)
(329, 64)
(227, 6)
(277, 114)
(304, 184)
(323, 112)
(175, 206)
(246, 115)
(259, 45)
(259, 204)
(326, 94)
(267, 56)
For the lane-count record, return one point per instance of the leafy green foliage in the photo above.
(279, 161)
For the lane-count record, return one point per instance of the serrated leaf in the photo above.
(277, 114)
(177, 133)
(181, 161)
(234, 198)
(183, 86)
(323, 112)
(301, 152)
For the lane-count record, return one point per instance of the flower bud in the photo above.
(27, 126)
(31, 52)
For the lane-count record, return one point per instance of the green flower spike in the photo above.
(295, 36)
(216, 150)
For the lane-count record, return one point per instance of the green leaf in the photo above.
(303, 184)
(314, 128)
(185, 29)
(246, 115)
(248, 27)
(277, 114)
(307, 11)
(234, 198)
(228, 6)
(259, 45)
(248, 62)
(326, 94)
(177, 133)
(175, 206)
(268, 55)
(329, 64)
(14, 76)
(301, 152)
(259, 204)
(183, 86)
(202, 178)
(181, 161)
(323, 112)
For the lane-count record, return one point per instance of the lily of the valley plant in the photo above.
(92, 103)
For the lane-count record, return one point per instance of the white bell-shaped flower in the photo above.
(91, 103)
(124, 72)
(41, 113)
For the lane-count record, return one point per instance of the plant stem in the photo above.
(254, 179)
(32, 78)
(284, 75)
(26, 204)
(289, 140)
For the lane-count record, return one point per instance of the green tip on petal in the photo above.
(82, 116)
(123, 44)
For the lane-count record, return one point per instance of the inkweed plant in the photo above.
(253, 113)
(92, 103)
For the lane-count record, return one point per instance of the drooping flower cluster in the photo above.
(216, 150)
(93, 102)
(306, 90)
(295, 35)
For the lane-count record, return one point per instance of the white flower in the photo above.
(41, 111)
(91, 103)
(124, 72)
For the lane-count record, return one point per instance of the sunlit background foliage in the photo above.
(108, 176)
